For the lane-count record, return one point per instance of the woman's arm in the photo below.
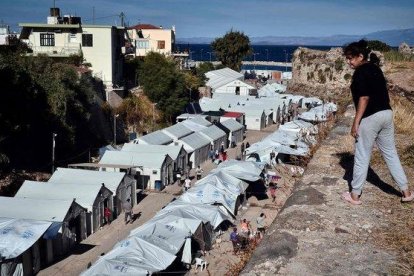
(362, 106)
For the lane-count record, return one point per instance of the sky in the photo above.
(213, 18)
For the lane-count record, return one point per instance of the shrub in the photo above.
(339, 64)
(347, 76)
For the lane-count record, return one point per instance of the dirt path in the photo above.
(317, 233)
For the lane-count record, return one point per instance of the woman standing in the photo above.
(373, 122)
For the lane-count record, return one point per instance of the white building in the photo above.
(91, 197)
(150, 169)
(149, 38)
(228, 81)
(101, 46)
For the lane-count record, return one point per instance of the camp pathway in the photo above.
(102, 241)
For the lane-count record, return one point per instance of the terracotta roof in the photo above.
(144, 27)
(233, 114)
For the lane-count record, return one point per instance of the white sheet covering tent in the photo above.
(224, 181)
(154, 138)
(132, 256)
(214, 215)
(193, 226)
(245, 170)
(166, 237)
(17, 235)
(319, 113)
(271, 90)
(299, 126)
(211, 194)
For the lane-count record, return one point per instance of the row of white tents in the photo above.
(191, 221)
(294, 138)
(45, 219)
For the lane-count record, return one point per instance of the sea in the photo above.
(279, 53)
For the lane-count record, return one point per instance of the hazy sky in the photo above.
(213, 18)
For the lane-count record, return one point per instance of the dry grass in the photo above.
(403, 116)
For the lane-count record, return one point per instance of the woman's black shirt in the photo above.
(368, 80)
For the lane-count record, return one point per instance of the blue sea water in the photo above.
(280, 53)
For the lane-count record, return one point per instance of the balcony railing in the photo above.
(64, 51)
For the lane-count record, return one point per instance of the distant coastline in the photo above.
(391, 37)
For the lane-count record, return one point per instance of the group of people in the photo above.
(242, 240)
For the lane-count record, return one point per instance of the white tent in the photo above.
(18, 235)
(225, 182)
(245, 170)
(319, 113)
(154, 138)
(214, 215)
(211, 194)
(299, 126)
(132, 256)
(166, 237)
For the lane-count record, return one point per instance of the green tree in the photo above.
(232, 48)
(377, 45)
(203, 68)
(164, 84)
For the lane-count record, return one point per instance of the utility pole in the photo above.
(115, 116)
(210, 55)
(122, 16)
(53, 151)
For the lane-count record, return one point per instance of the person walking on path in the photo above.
(128, 210)
(272, 190)
(107, 215)
(199, 172)
(373, 122)
(187, 184)
(261, 224)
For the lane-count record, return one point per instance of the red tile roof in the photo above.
(233, 114)
(144, 27)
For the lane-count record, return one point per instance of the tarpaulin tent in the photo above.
(245, 170)
(18, 235)
(194, 226)
(211, 194)
(132, 256)
(224, 181)
(214, 215)
(166, 237)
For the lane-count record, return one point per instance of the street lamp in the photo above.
(254, 60)
(153, 115)
(286, 59)
(201, 55)
(210, 55)
(267, 58)
(53, 151)
(115, 116)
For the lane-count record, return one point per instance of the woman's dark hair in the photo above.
(361, 47)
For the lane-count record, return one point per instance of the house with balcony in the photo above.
(149, 38)
(103, 47)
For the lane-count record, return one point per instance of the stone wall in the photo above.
(324, 74)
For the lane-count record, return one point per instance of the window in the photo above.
(87, 40)
(143, 44)
(161, 44)
(72, 38)
(47, 39)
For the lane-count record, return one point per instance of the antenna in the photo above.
(122, 16)
(93, 15)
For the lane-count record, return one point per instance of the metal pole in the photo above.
(201, 56)
(115, 129)
(53, 151)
